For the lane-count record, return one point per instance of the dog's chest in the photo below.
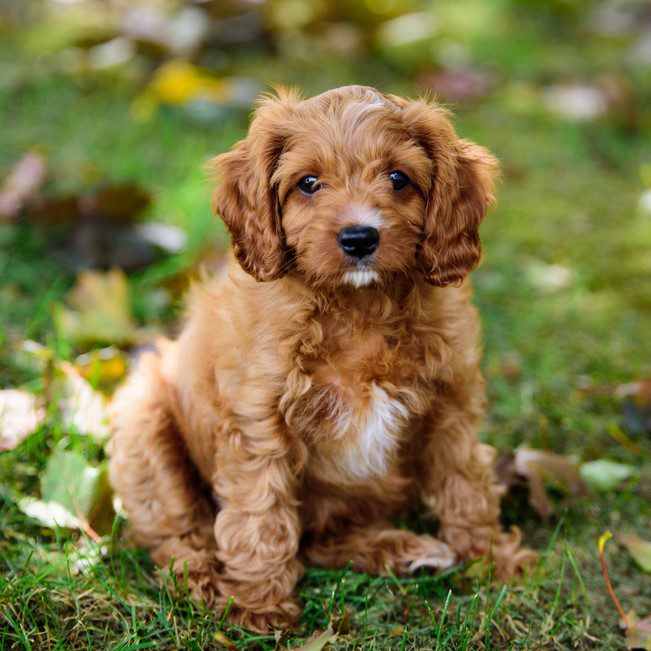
(357, 437)
(355, 416)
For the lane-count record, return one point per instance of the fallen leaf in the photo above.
(604, 475)
(639, 549)
(102, 228)
(22, 184)
(535, 468)
(82, 408)
(170, 239)
(53, 211)
(638, 634)
(80, 488)
(122, 202)
(100, 310)
(319, 641)
(179, 82)
(103, 367)
(220, 638)
(49, 514)
(20, 415)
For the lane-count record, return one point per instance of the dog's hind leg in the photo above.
(170, 512)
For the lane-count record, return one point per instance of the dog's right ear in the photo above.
(246, 199)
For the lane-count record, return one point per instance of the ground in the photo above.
(557, 341)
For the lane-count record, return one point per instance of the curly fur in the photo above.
(311, 398)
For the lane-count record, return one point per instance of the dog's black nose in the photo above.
(359, 241)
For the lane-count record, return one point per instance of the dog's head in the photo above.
(354, 187)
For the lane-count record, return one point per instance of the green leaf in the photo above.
(604, 475)
(78, 487)
(639, 549)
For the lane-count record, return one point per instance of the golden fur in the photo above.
(311, 398)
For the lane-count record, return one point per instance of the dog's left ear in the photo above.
(246, 198)
(462, 189)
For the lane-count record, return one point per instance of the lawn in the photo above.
(564, 292)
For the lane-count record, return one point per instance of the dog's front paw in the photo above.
(278, 617)
(426, 552)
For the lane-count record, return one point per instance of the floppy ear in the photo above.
(246, 199)
(461, 191)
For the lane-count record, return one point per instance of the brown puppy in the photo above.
(329, 382)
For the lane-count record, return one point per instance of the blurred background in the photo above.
(110, 108)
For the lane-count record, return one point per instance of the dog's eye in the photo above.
(309, 185)
(399, 180)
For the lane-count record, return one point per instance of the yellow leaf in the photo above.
(179, 82)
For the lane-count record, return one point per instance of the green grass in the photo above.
(568, 197)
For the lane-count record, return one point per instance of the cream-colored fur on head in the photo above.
(311, 399)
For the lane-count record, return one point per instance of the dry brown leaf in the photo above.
(118, 202)
(638, 634)
(536, 468)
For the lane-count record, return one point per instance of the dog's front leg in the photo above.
(257, 527)
(458, 481)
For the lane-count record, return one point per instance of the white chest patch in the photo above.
(371, 434)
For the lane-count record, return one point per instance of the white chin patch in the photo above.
(360, 277)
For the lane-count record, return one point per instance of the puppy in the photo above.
(328, 381)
